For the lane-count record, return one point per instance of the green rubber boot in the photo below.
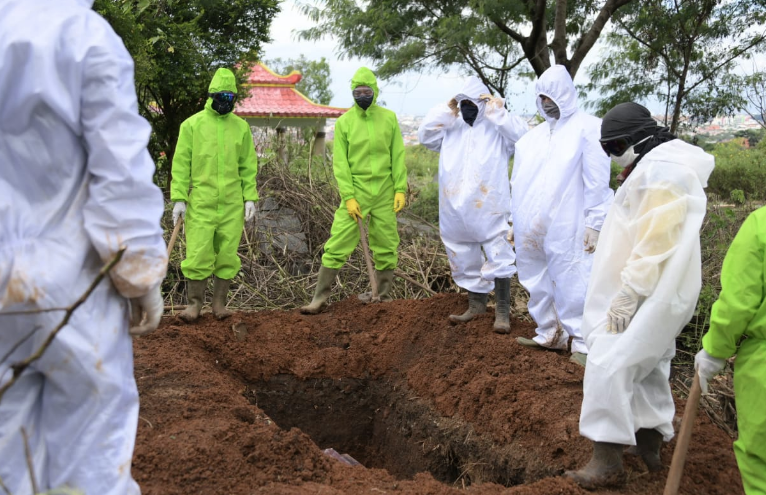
(220, 297)
(604, 469)
(502, 306)
(385, 281)
(195, 296)
(325, 279)
(477, 305)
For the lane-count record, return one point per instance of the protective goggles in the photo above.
(223, 96)
(361, 92)
(617, 146)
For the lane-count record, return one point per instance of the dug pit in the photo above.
(381, 425)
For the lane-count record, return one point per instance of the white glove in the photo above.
(707, 367)
(179, 211)
(249, 211)
(590, 240)
(493, 103)
(622, 310)
(146, 311)
(509, 235)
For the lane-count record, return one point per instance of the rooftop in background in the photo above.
(274, 97)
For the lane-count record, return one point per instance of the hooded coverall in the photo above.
(559, 186)
(75, 187)
(474, 196)
(215, 158)
(368, 162)
(740, 311)
(650, 243)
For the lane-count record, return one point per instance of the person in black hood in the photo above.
(628, 133)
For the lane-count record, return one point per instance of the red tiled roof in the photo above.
(275, 96)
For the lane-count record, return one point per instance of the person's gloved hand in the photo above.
(354, 210)
(509, 236)
(249, 211)
(493, 103)
(179, 211)
(145, 312)
(453, 106)
(590, 240)
(707, 367)
(622, 310)
(399, 202)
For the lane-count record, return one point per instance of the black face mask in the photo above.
(469, 111)
(364, 101)
(223, 101)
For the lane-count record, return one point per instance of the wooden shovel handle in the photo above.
(368, 259)
(684, 437)
(174, 235)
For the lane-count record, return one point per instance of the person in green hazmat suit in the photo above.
(368, 162)
(214, 169)
(738, 325)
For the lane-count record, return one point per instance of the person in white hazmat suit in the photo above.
(560, 190)
(643, 291)
(75, 187)
(475, 136)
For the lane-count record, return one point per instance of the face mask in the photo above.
(363, 101)
(629, 156)
(551, 109)
(469, 111)
(223, 101)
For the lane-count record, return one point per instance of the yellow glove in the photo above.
(399, 202)
(453, 106)
(354, 210)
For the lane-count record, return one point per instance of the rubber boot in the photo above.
(195, 296)
(604, 469)
(220, 298)
(648, 445)
(385, 281)
(477, 304)
(502, 305)
(325, 279)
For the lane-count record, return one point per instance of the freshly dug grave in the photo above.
(426, 407)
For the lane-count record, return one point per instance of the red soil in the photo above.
(499, 411)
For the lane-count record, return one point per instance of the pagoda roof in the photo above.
(275, 96)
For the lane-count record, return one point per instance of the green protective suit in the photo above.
(368, 162)
(741, 311)
(215, 158)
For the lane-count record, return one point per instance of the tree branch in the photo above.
(756, 41)
(589, 38)
(664, 55)
(510, 32)
(19, 367)
(559, 43)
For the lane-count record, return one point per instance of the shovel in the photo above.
(684, 437)
(368, 259)
(174, 235)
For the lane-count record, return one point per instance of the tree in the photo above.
(315, 83)
(755, 96)
(482, 37)
(681, 52)
(177, 45)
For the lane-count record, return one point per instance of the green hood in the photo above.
(223, 80)
(365, 77)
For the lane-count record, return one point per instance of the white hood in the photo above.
(85, 3)
(556, 84)
(471, 90)
(688, 155)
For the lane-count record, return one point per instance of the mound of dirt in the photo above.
(249, 404)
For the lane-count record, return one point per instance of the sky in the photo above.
(410, 94)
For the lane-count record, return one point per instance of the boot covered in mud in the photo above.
(648, 445)
(385, 281)
(195, 297)
(477, 305)
(502, 305)
(325, 279)
(604, 469)
(220, 298)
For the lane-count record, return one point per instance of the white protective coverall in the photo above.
(650, 242)
(560, 186)
(75, 186)
(474, 197)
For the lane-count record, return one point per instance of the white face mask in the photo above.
(627, 158)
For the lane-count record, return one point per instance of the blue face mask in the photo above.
(223, 101)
